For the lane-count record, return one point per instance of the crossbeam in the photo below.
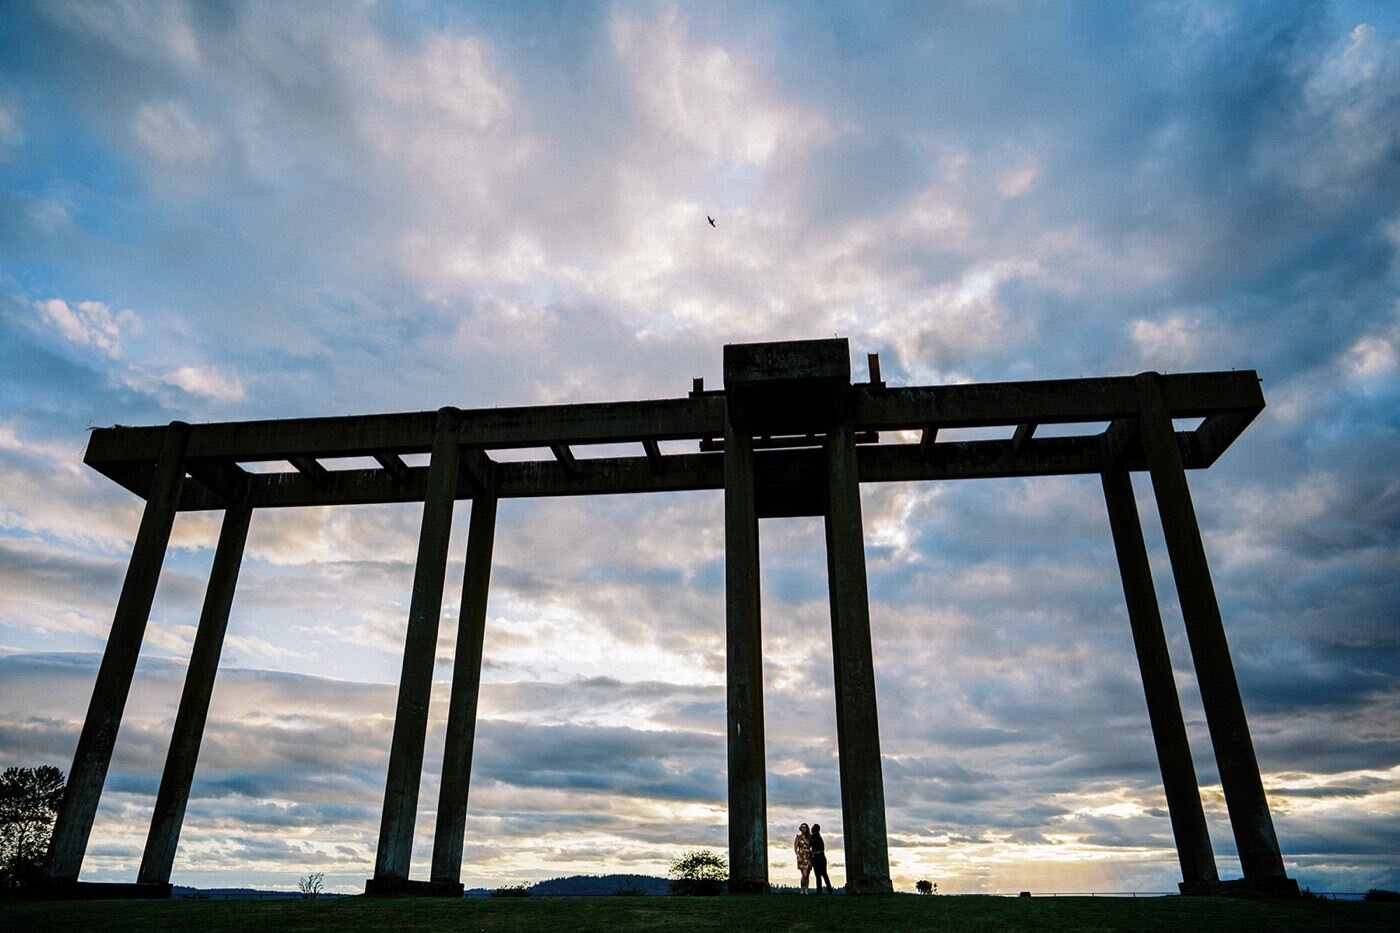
(1227, 401)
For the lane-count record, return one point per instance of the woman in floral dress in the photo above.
(802, 845)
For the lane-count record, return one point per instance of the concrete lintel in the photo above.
(413, 432)
(565, 457)
(1024, 432)
(1054, 401)
(1217, 433)
(114, 451)
(223, 478)
(1121, 434)
(312, 469)
(927, 439)
(1052, 456)
(479, 471)
(394, 466)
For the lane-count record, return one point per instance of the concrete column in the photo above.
(420, 645)
(857, 721)
(1163, 706)
(185, 739)
(451, 826)
(1220, 693)
(748, 788)
(94, 753)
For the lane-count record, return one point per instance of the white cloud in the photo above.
(208, 382)
(168, 133)
(1172, 342)
(90, 323)
(706, 96)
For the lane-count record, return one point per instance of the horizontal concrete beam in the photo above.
(1189, 395)
(1226, 401)
(1057, 401)
(775, 471)
(409, 433)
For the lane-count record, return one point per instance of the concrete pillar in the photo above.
(185, 739)
(857, 721)
(1250, 820)
(420, 646)
(94, 753)
(466, 684)
(748, 789)
(1163, 706)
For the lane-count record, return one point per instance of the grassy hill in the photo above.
(777, 913)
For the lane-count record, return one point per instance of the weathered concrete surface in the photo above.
(793, 401)
(748, 790)
(420, 643)
(857, 717)
(450, 830)
(1193, 849)
(1250, 820)
(188, 733)
(94, 753)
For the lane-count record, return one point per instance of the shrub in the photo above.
(511, 890)
(1380, 894)
(311, 885)
(699, 872)
(628, 889)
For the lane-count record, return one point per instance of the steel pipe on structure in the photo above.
(857, 719)
(94, 753)
(1250, 820)
(174, 794)
(416, 679)
(748, 789)
(1188, 820)
(450, 830)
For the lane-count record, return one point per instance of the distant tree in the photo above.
(924, 887)
(628, 889)
(1381, 894)
(312, 885)
(699, 872)
(29, 799)
(511, 890)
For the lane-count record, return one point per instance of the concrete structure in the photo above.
(789, 435)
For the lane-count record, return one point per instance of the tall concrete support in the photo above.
(416, 679)
(450, 831)
(1250, 819)
(857, 720)
(109, 693)
(174, 792)
(748, 790)
(1193, 849)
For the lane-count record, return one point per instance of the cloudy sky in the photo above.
(223, 211)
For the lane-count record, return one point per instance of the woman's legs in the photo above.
(805, 873)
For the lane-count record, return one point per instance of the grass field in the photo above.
(627, 914)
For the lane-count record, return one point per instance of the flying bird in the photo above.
(711, 220)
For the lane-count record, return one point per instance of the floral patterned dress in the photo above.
(802, 845)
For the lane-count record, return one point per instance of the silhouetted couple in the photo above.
(811, 856)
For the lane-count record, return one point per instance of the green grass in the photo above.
(778, 913)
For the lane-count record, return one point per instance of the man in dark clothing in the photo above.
(819, 859)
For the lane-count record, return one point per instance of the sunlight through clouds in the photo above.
(245, 211)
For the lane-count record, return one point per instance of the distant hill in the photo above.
(236, 894)
(589, 886)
